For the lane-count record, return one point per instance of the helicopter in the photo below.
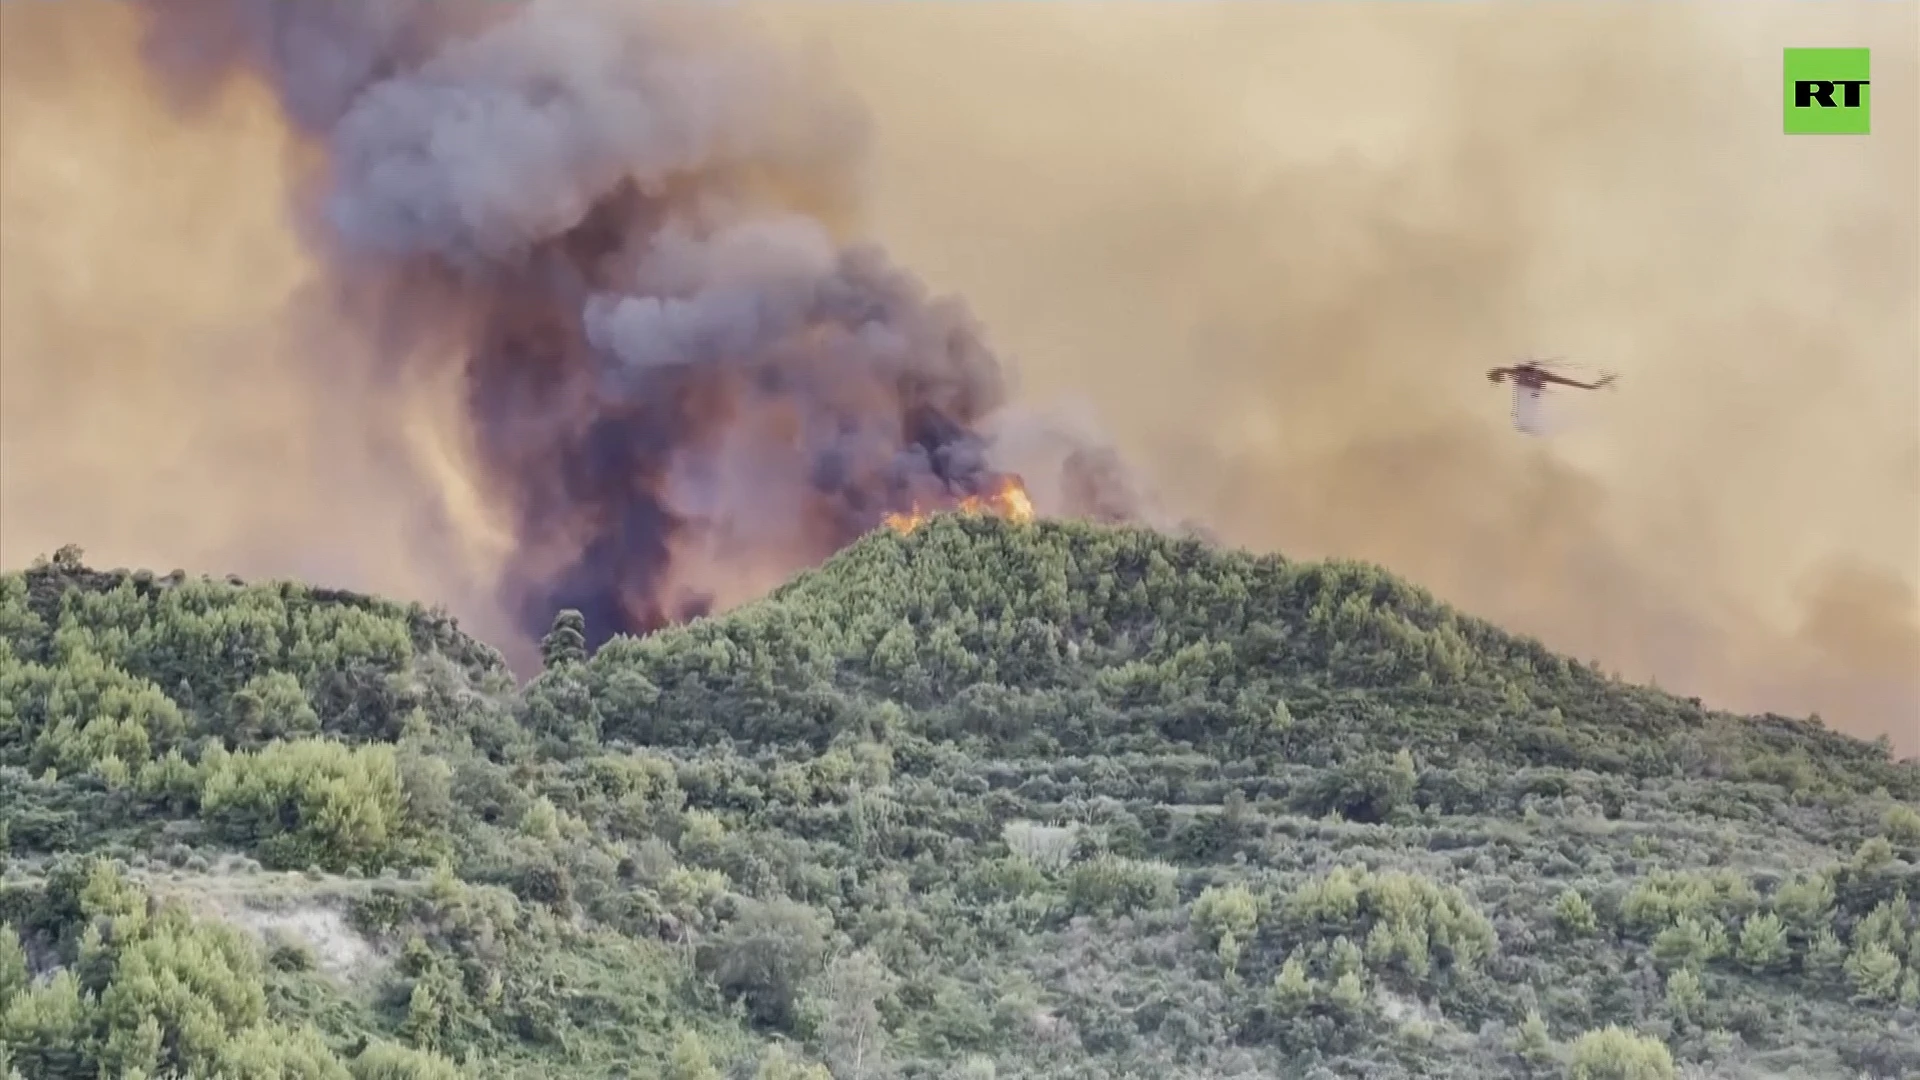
(1530, 379)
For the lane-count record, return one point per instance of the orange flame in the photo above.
(1007, 499)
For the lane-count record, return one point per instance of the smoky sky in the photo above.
(500, 307)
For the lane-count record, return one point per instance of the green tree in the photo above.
(852, 1033)
(1533, 1042)
(1874, 852)
(1687, 943)
(1805, 904)
(767, 955)
(179, 992)
(1116, 885)
(275, 1052)
(1228, 951)
(1826, 955)
(270, 706)
(1293, 990)
(1220, 912)
(566, 641)
(778, 1064)
(309, 803)
(1684, 995)
(560, 705)
(1902, 824)
(1348, 993)
(13, 965)
(1763, 943)
(1574, 915)
(690, 1060)
(1884, 925)
(383, 1060)
(1370, 788)
(49, 1030)
(1873, 972)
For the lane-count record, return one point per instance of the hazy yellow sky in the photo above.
(1270, 247)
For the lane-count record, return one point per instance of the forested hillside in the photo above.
(979, 802)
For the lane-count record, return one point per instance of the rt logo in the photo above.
(1826, 92)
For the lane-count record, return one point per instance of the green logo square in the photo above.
(1827, 92)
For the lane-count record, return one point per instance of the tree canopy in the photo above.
(985, 800)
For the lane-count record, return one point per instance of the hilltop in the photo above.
(985, 800)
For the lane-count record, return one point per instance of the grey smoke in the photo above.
(632, 222)
(474, 131)
(498, 143)
(702, 300)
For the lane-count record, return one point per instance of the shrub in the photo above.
(383, 1060)
(1688, 943)
(1049, 847)
(1902, 824)
(1763, 942)
(309, 803)
(1115, 885)
(1406, 920)
(1218, 913)
(766, 956)
(1684, 995)
(1368, 789)
(778, 1064)
(1804, 903)
(1616, 1054)
(13, 965)
(1574, 915)
(1873, 972)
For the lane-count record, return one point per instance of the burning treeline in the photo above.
(1006, 498)
(624, 225)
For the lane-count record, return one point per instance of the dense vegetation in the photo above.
(984, 801)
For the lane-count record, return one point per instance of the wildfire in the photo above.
(1008, 499)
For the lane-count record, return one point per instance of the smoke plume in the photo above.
(575, 304)
(614, 223)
